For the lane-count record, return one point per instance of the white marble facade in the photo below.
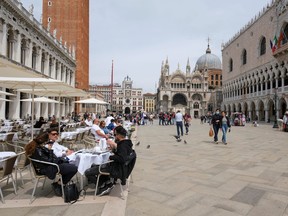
(255, 66)
(24, 41)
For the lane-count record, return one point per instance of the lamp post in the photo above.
(275, 108)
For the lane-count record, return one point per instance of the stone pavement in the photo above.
(247, 177)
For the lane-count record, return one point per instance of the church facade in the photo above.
(190, 91)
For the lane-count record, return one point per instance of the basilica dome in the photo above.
(209, 61)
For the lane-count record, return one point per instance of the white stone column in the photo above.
(14, 107)
(38, 59)
(68, 77)
(3, 38)
(44, 111)
(46, 64)
(57, 109)
(52, 109)
(28, 61)
(2, 106)
(37, 108)
(17, 47)
(53, 68)
(267, 115)
(26, 108)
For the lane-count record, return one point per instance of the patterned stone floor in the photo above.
(247, 177)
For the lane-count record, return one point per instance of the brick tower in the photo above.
(70, 18)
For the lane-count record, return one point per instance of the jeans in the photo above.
(216, 129)
(224, 132)
(179, 126)
(187, 127)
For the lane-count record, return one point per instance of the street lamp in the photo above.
(275, 108)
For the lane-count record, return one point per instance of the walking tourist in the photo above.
(225, 124)
(216, 122)
(179, 123)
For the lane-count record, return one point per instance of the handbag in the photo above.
(211, 133)
(71, 193)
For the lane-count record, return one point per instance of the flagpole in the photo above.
(112, 76)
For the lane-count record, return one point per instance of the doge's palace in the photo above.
(255, 65)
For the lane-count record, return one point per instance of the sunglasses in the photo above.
(54, 134)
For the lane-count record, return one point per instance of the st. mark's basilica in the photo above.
(196, 92)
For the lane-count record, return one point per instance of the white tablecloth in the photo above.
(80, 130)
(3, 136)
(6, 128)
(68, 135)
(4, 155)
(84, 160)
(8, 123)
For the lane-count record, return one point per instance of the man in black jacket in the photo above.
(216, 122)
(118, 169)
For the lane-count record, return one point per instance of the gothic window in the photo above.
(262, 46)
(196, 105)
(285, 36)
(42, 62)
(23, 51)
(244, 57)
(230, 65)
(49, 3)
(10, 44)
(34, 58)
(50, 67)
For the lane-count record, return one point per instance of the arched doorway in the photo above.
(253, 111)
(261, 116)
(245, 109)
(271, 111)
(179, 102)
(282, 107)
(179, 99)
(127, 110)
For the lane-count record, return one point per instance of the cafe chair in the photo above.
(39, 176)
(23, 163)
(126, 171)
(6, 173)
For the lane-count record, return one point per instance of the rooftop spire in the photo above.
(208, 50)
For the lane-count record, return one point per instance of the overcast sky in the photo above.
(139, 34)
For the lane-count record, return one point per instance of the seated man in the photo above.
(122, 149)
(58, 150)
(89, 121)
(96, 131)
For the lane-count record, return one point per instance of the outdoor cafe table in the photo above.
(6, 128)
(5, 154)
(84, 160)
(3, 136)
(68, 135)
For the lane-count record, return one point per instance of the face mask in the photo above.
(217, 113)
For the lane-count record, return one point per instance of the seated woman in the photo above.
(122, 148)
(39, 123)
(36, 150)
(103, 127)
(54, 123)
